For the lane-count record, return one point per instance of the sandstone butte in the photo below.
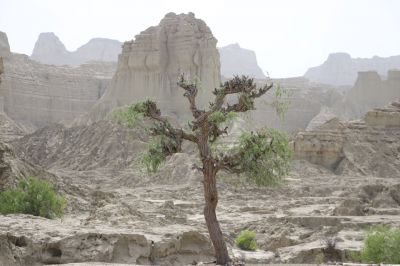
(149, 66)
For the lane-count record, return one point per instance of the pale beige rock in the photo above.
(50, 50)
(4, 45)
(149, 66)
(340, 69)
(355, 146)
(35, 94)
(384, 117)
(369, 91)
(236, 60)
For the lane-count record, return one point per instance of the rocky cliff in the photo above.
(370, 91)
(4, 46)
(340, 69)
(236, 60)
(35, 94)
(369, 146)
(50, 50)
(149, 66)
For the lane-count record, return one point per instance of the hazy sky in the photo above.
(287, 36)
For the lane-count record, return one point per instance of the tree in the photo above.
(262, 155)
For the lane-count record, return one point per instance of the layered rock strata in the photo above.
(35, 94)
(370, 91)
(369, 146)
(149, 66)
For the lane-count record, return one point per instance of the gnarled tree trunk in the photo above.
(211, 201)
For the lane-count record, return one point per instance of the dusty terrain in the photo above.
(119, 213)
(345, 176)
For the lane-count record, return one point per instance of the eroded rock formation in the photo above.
(149, 66)
(370, 91)
(50, 50)
(4, 46)
(34, 94)
(368, 147)
(236, 60)
(340, 69)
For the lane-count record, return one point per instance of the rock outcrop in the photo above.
(367, 147)
(340, 69)
(4, 46)
(149, 66)
(236, 60)
(100, 145)
(370, 91)
(303, 105)
(50, 50)
(13, 169)
(34, 94)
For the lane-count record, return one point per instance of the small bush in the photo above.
(158, 150)
(34, 197)
(128, 116)
(246, 240)
(265, 156)
(382, 245)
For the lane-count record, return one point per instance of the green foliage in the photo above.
(282, 101)
(218, 117)
(246, 240)
(382, 245)
(158, 150)
(319, 258)
(128, 116)
(32, 196)
(264, 156)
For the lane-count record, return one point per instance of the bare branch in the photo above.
(190, 93)
(164, 126)
(215, 132)
(230, 163)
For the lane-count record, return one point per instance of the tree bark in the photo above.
(211, 201)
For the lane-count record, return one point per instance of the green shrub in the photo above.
(128, 116)
(382, 245)
(246, 240)
(32, 196)
(265, 156)
(158, 150)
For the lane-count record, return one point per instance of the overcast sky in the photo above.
(287, 36)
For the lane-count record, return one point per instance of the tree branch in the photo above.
(190, 93)
(165, 127)
(243, 85)
(229, 163)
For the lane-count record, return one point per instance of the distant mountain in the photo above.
(239, 61)
(50, 50)
(341, 70)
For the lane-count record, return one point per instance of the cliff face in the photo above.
(34, 94)
(50, 50)
(340, 69)
(149, 66)
(368, 147)
(239, 61)
(370, 91)
(4, 45)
